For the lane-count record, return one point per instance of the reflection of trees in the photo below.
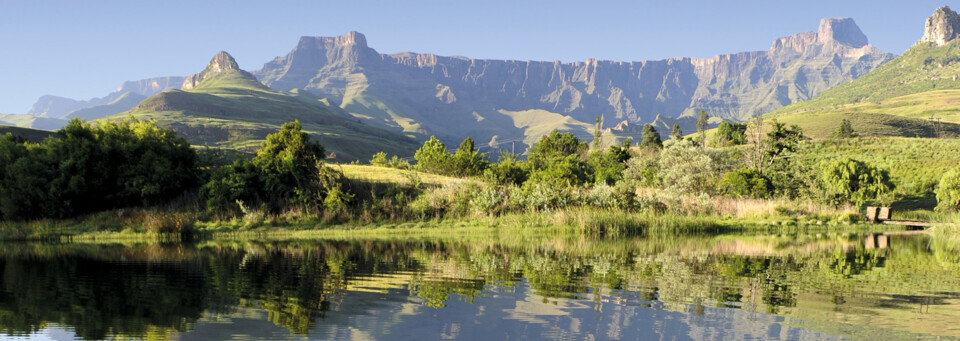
(98, 299)
(164, 289)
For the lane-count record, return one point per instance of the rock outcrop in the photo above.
(430, 94)
(941, 27)
(221, 62)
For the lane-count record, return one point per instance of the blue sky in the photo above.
(83, 49)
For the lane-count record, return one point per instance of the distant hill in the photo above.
(31, 135)
(32, 121)
(499, 100)
(227, 107)
(53, 112)
(916, 94)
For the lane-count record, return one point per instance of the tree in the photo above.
(676, 134)
(558, 159)
(687, 169)
(855, 181)
(508, 171)
(467, 161)
(730, 134)
(432, 157)
(745, 182)
(844, 130)
(291, 166)
(650, 138)
(379, 159)
(948, 191)
(702, 121)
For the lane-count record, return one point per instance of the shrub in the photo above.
(855, 181)
(379, 159)
(745, 182)
(432, 157)
(948, 191)
(688, 169)
(508, 171)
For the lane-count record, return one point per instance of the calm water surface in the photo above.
(818, 286)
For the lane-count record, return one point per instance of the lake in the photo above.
(901, 285)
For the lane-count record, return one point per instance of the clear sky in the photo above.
(83, 49)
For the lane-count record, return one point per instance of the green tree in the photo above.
(687, 169)
(948, 191)
(507, 171)
(291, 166)
(379, 159)
(745, 182)
(855, 181)
(730, 134)
(233, 188)
(844, 130)
(650, 138)
(702, 120)
(432, 157)
(558, 159)
(467, 161)
(676, 134)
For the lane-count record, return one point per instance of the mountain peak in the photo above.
(221, 62)
(941, 27)
(841, 30)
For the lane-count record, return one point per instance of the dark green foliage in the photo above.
(781, 140)
(676, 134)
(855, 181)
(730, 134)
(844, 130)
(287, 172)
(608, 166)
(508, 171)
(291, 164)
(232, 189)
(558, 159)
(467, 161)
(948, 191)
(650, 138)
(84, 169)
(745, 183)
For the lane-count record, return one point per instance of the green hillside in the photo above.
(916, 94)
(229, 108)
(32, 135)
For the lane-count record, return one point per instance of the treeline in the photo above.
(86, 169)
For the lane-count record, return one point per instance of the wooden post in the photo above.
(872, 214)
(884, 214)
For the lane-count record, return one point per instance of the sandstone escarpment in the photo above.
(941, 27)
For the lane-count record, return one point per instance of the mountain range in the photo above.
(505, 100)
(224, 106)
(916, 94)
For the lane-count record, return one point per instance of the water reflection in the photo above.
(725, 286)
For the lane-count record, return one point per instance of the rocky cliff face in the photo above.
(432, 94)
(221, 62)
(941, 27)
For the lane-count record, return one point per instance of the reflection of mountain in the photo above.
(522, 287)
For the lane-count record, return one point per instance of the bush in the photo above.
(688, 169)
(948, 191)
(379, 159)
(508, 171)
(432, 157)
(745, 182)
(855, 181)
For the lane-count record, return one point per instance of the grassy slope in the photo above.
(231, 110)
(915, 165)
(896, 99)
(32, 135)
